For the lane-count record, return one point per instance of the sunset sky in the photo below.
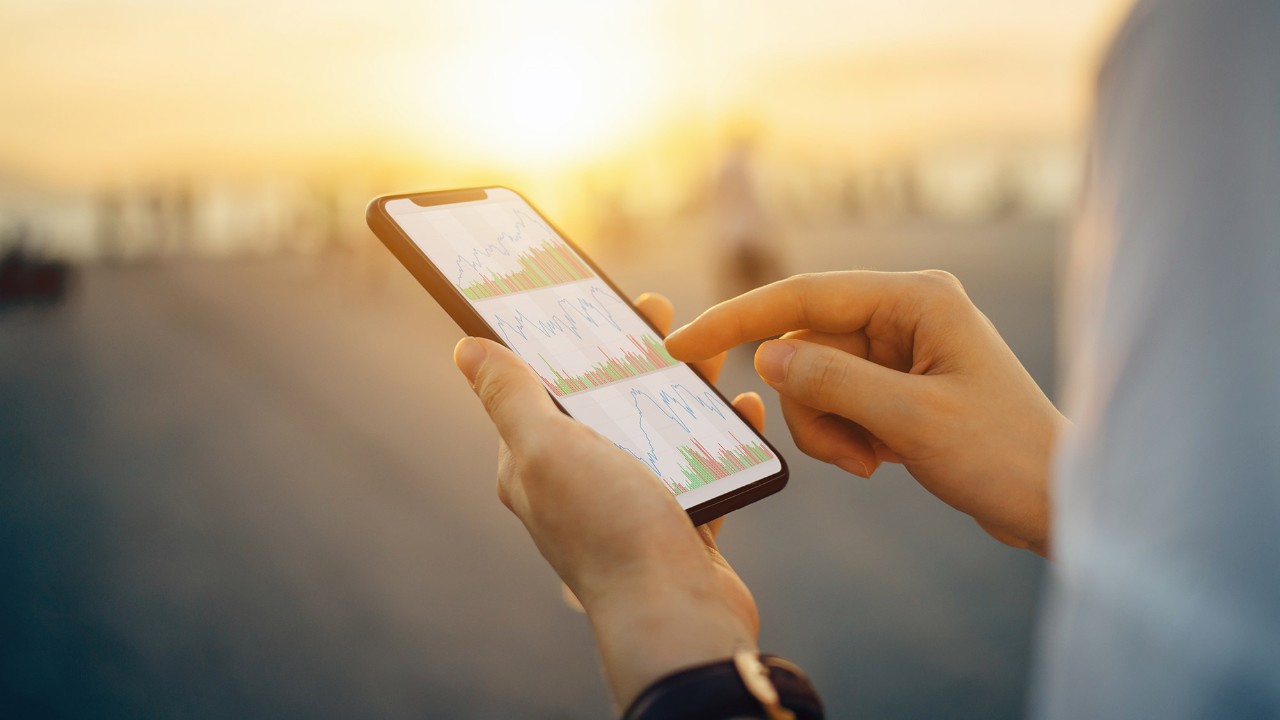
(117, 91)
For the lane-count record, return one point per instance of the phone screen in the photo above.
(594, 353)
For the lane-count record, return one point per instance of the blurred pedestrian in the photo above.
(746, 253)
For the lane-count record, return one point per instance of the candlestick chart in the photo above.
(580, 339)
(649, 355)
(685, 434)
(525, 256)
(701, 466)
(682, 408)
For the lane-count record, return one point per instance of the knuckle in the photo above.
(826, 371)
(504, 494)
(943, 276)
(494, 389)
(796, 283)
(941, 288)
(943, 285)
(804, 443)
(813, 436)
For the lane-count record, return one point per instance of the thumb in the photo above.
(515, 399)
(880, 399)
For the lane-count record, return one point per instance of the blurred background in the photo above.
(240, 476)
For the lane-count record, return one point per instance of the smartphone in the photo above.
(504, 272)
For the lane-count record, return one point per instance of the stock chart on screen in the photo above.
(605, 365)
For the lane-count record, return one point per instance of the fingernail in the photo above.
(678, 330)
(468, 356)
(853, 467)
(772, 360)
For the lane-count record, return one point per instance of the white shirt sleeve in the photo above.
(1164, 601)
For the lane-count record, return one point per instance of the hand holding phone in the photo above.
(659, 594)
(503, 272)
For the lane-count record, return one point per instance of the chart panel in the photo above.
(669, 421)
(578, 337)
(489, 251)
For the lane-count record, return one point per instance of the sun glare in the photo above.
(534, 100)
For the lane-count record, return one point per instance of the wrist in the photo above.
(1026, 503)
(656, 626)
(1039, 467)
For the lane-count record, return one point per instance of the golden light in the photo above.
(536, 96)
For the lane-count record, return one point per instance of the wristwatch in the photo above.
(747, 685)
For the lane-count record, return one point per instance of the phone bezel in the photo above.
(416, 261)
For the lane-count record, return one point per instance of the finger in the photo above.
(884, 453)
(658, 310)
(891, 355)
(752, 408)
(570, 599)
(830, 438)
(710, 368)
(884, 401)
(829, 302)
(515, 399)
(854, 343)
(714, 527)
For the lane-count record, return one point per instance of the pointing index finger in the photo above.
(829, 302)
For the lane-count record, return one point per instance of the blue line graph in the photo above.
(674, 405)
(575, 314)
(682, 398)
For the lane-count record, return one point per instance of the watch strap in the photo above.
(754, 686)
